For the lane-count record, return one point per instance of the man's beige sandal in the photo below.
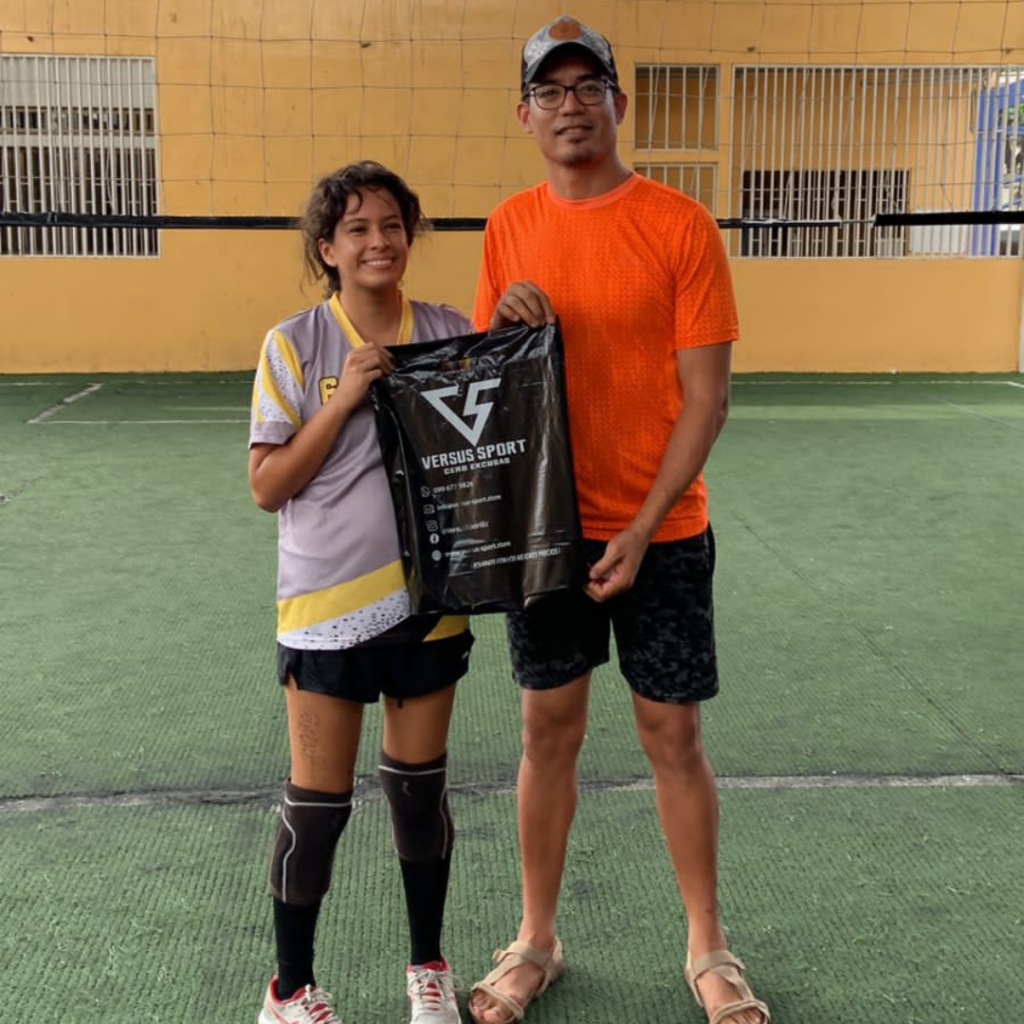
(728, 967)
(517, 954)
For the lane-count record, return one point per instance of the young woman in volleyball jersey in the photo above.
(345, 633)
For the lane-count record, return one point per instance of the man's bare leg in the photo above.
(554, 723)
(687, 802)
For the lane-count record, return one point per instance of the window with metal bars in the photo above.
(698, 181)
(676, 106)
(839, 200)
(77, 136)
(837, 145)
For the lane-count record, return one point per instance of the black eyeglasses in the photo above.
(551, 95)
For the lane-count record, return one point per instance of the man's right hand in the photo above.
(523, 303)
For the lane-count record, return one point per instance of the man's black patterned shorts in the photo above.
(664, 627)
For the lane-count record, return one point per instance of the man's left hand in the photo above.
(616, 570)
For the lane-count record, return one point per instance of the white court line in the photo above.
(978, 415)
(242, 382)
(364, 793)
(869, 781)
(47, 413)
(738, 383)
(113, 423)
(138, 383)
(874, 383)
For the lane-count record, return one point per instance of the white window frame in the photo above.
(848, 124)
(661, 78)
(665, 172)
(78, 135)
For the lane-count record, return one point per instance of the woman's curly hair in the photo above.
(329, 200)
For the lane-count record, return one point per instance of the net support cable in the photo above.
(56, 219)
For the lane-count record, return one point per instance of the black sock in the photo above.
(294, 930)
(426, 886)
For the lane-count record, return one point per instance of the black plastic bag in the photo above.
(475, 439)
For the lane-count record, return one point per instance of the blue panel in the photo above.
(998, 159)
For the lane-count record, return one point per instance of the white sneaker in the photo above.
(431, 989)
(309, 1006)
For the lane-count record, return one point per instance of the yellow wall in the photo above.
(207, 302)
(858, 316)
(257, 97)
(204, 305)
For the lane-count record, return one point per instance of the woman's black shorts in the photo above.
(394, 665)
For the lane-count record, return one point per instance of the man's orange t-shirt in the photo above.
(634, 275)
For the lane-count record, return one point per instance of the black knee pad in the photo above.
(420, 820)
(300, 863)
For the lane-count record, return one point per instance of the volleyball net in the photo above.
(852, 129)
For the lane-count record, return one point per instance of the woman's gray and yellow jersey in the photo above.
(340, 580)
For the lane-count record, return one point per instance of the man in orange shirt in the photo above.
(638, 276)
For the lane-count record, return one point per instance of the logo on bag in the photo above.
(474, 412)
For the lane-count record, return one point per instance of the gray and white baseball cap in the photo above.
(566, 31)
